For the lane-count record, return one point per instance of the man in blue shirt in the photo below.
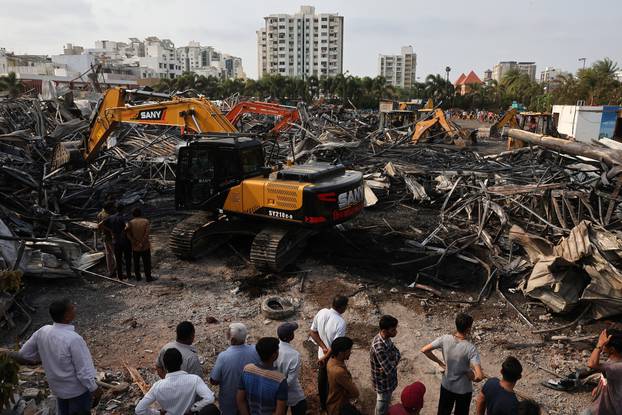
(497, 396)
(263, 389)
(229, 366)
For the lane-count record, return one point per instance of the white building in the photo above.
(399, 70)
(302, 44)
(503, 67)
(161, 58)
(550, 74)
(205, 59)
(586, 123)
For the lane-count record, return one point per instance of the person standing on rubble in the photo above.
(608, 393)
(185, 337)
(289, 364)
(66, 360)
(138, 233)
(115, 224)
(229, 366)
(107, 237)
(384, 357)
(461, 367)
(328, 324)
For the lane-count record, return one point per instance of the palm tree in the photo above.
(11, 84)
(437, 88)
(606, 67)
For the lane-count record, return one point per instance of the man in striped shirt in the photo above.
(263, 389)
(384, 357)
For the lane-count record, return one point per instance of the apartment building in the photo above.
(551, 78)
(503, 67)
(303, 44)
(399, 70)
(205, 60)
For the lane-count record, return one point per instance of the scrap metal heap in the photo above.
(543, 220)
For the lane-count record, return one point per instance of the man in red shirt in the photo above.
(412, 400)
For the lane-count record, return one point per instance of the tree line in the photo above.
(596, 85)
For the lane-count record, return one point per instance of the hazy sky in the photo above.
(468, 34)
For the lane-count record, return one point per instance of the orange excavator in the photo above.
(287, 115)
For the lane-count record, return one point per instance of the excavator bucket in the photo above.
(67, 153)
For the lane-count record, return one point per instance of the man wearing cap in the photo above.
(288, 363)
(229, 366)
(412, 400)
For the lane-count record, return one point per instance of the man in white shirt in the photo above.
(288, 363)
(328, 324)
(66, 360)
(177, 392)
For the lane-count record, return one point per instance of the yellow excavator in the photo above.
(508, 120)
(222, 178)
(535, 122)
(191, 115)
(438, 125)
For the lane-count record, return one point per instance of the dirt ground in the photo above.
(129, 325)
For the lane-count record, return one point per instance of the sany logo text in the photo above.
(156, 114)
(350, 198)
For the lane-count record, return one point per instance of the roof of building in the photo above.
(460, 79)
(471, 78)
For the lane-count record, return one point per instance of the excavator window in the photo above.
(202, 166)
(252, 160)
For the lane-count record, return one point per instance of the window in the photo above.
(252, 160)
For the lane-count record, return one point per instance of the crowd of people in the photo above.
(479, 115)
(264, 378)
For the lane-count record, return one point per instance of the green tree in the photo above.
(11, 84)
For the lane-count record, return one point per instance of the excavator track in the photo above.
(276, 247)
(194, 236)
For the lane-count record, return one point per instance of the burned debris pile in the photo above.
(544, 220)
(47, 216)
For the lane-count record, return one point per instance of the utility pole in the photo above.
(582, 59)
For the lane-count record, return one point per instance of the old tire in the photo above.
(277, 308)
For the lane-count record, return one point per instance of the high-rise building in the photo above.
(399, 70)
(503, 67)
(301, 45)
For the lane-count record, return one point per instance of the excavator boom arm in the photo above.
(438, 118)
(288, 114)
(196, 115)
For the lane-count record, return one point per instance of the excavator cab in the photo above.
(207, 168)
